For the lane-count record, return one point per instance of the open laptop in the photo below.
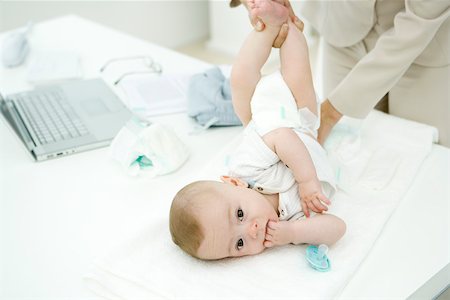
(67, 118)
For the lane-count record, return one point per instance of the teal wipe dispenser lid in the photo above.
(317, 257)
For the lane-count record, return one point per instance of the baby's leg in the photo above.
(296, 69)
(254, 52)
(270, 12)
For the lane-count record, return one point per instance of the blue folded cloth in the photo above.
(209, 99)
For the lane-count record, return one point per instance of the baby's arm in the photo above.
(246, 70)
(320, 229)
(293, 153)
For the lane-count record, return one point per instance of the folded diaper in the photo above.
(148, 148)
(346, 154)
(360, 162)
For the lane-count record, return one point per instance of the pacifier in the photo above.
(317, 257)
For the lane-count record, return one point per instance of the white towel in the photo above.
(385, 154)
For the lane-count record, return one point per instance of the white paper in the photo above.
(156, 94)
(50, 66)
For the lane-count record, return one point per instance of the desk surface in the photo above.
(57, 216)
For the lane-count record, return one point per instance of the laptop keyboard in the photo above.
(52, 117)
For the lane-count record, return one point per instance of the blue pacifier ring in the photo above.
(317, 258)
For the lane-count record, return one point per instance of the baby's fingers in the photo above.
(272, 225)
(324, 199)
(319, 205)
(268, 244)
(268, 239)
(270, 230)
(312, 206)
(305, 208)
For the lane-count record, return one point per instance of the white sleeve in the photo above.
(395, 51)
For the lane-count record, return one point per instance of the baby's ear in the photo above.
(234, 181)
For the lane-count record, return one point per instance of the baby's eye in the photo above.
(240, 244)
(240, 214)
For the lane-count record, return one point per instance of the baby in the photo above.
(278, 173)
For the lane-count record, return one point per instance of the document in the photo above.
(50, 66)
(156, 94)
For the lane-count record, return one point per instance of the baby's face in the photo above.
(235, 224)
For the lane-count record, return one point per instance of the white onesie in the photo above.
(273, 106)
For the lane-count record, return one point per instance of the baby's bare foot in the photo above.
(270, 12)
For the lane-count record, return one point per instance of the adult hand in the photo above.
(259, 25)
(281, 37)
(329, 116)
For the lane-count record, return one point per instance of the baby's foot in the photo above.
(270, 12)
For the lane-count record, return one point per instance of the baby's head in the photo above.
(213, 220)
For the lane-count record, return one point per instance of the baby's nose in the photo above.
(253, 230)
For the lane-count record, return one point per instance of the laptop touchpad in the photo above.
(94, 107)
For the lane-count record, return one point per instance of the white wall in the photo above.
(1, 15)
(228, 26)
(168, 23)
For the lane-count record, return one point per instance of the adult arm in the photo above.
(395, 51)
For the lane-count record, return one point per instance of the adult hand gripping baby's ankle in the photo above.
(260, 26)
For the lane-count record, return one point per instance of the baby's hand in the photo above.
(315, 202)
(311, 198)
(278, 233)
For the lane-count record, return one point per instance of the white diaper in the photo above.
(148, 148)
(273, 106)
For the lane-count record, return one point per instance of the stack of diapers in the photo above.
(375, 163)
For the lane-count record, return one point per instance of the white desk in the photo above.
(56, 216)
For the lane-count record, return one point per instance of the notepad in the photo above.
(50, 66)
(156, 94)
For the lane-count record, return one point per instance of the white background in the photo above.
(167, 23)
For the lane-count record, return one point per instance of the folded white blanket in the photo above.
(375, 164)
